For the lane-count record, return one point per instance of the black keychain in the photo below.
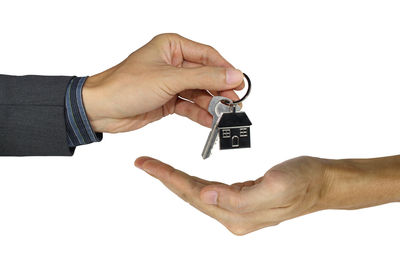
(231, 124)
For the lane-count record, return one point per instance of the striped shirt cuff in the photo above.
(79, 131)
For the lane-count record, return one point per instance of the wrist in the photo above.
(355, 183)
(91, 97)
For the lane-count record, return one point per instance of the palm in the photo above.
(288, 190)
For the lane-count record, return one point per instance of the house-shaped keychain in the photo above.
(234, 130)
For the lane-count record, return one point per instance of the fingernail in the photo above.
(210, 197)
(233, 76)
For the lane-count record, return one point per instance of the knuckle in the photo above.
(274, 181)
(184, 196)
(275, 223)
(164, 36)
(158, 37)
(170, 81)
(173, 35)
(170, 173)
(269, 224)
(302, 160)
(208, 53)
(216, 74)
(211, 48)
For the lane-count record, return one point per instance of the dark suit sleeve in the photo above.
(32, 119)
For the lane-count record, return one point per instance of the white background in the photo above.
(325, 83)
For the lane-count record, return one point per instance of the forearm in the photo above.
(360, 183)
(32, 115)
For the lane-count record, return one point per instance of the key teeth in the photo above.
(215, 108)
(205, 156)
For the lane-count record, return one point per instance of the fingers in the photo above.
(203, 194)
(197, 109)
(200, 97)
(229, 94)
(203, 98)
(206, 77)
(202, 54)
(175, 180)
(193, 112)
(188, 64)
(185, 186)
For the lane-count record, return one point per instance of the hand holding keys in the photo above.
(232, 126)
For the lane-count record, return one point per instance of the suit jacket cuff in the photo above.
(79, 130)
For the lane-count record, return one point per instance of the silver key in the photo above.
(216, 109)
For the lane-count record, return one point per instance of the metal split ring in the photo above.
(233, 103)
(248, 90)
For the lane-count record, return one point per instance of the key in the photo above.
(232, 127)
(216, 109)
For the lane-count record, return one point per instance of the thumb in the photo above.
(208, 78)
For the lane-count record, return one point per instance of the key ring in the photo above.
(248, 90)
(233, 103)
